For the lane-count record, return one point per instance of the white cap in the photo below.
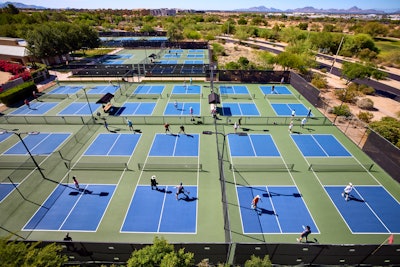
(350, 184)
(258, 196)
(153, 177)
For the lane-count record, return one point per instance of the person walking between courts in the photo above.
(182, 129)
(153, 182)
(304, 234)
(130, 124)
(293, 112)
(254, 202)
(75, 182)
(235, 126)
(166, 127)
(291, 127)
(26, 102)
(303, 122)
(191, 114)
(273, 89)
(176, 104)
(347, 190)
(180, 190)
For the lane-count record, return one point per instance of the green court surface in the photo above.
(289, 168)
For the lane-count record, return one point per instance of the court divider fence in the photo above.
(154, 120)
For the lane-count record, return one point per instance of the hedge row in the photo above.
(18, 93)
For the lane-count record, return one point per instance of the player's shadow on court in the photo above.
(262, 211)
(89, 192)
(353, 198)
(162, 190)
(271, 194)
(188, 199)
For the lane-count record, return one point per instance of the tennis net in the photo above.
(17, 165)
(279, 96)
(185, 96)
(145, 96)
(238, 96)
(170, 167)
(278, 167)
(340, 167)
(104, 166)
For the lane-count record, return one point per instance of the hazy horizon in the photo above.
(214, 5)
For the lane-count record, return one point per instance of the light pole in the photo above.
(90, 108)
(222, 180)
(14, 131)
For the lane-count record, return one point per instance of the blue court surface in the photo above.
(36, 108)
(112, 62)
(194, 62)
(103, 89)
(4, 135)
(233, 90)
(172, 56)
(149, 89)
(175, 51)
(252, 145)
(79, 108)
(186, 89)
(182, 109)
(158, 211)
(197, 51)
(39, 144)
(168, 61)
(195, 56)
(370, 209)
(286, 109)
(70, 90)
(279, 90)
(135, 109)
(280, 210)
(68, 209)
(6, 189)
(239, 109)
(169, 145)
(320, 145)
(113, 144)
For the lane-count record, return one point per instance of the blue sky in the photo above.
(215, 4)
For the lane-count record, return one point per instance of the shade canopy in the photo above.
(105, 98)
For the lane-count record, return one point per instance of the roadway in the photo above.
(380, 88)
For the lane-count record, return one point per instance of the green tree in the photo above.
(11, 9)
(174, 33)
(160, 254)
(20, 254)
(255, 261)
(352, 71)
(389, 128)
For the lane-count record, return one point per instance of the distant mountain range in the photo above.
(308, 9)
(20, 5)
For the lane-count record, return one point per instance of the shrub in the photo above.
(366, 90)
(319, 81)
(365, 103)
(365, 116)
(18, 93)
(347, 95)
(342, 110)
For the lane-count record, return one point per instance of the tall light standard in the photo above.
(222, 179)
(90, 108)
(14, 131)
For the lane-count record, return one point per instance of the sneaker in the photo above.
(342, 194)
(298, 240)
